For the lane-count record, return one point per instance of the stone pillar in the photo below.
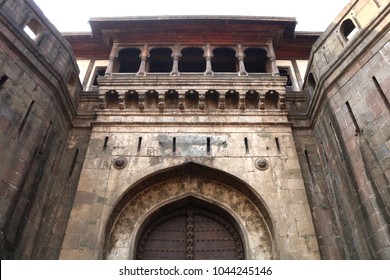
(240, 56)
(272, 58)
(144, 56)
(113, 56)
(208, 54)
(176, 54)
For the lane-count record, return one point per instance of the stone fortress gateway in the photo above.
(195, 137)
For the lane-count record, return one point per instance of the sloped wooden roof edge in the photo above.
(98, 24)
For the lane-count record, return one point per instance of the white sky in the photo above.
(73, 15)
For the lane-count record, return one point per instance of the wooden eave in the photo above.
(192, 31)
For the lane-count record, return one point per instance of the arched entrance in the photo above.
(190, 234)
(182, 214)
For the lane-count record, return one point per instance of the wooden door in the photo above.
(190, 233)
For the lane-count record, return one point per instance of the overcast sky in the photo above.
(73, 15)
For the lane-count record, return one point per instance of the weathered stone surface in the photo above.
(299, 174)
(36, 112)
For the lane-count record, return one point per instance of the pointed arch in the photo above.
(189, 182)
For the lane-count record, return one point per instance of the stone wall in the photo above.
(348, 83)
(275, 194)
(38, 98)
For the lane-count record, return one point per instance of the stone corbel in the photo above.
(221, 102)
(144, 56)
(181, 100)
(281, 101)
(240, 56)
(208, 54)
(102, 102)
(176, 54)
(262, 101)
(141, 101)
(161, 101)
(282, 104)
(202, 101)
(121, 98)
(241, 103)
(102, 99)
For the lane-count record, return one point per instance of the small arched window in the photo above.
(348, 29)
(33, 29)
(224, 60)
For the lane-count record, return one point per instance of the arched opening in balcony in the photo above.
(129, 60)
(192, 99)
(224, 60)
(132, 99)
(112, 99)
(160, 60)
(151, 99)
(171, 99)
(192, 60)
(212, 99)
(231, 99)
(255, 60)
(252, 100)
(271, 99)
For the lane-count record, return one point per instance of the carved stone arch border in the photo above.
(167, 186)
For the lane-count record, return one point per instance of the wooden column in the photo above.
(240, 56)
(208, 54)
(113, 56)
(176, 54)
(144, 56)
(272, 58)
